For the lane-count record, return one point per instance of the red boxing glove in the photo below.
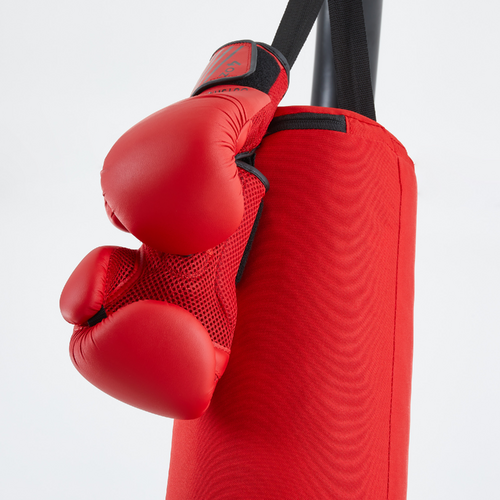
(154, 326)
(171, 180)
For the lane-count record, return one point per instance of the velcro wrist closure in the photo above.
(243, 63)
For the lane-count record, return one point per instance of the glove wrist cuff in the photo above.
(245, 63)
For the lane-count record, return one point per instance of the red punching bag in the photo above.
(315, 400)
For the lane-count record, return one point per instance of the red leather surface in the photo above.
(83, 294)
(315, 399)
(172, 180)
(149, 354)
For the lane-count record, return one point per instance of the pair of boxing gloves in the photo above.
(154, 326)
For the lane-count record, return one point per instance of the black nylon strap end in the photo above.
(349, 44)
(350, 53)
(295, 27)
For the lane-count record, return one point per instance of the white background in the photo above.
(74, 75)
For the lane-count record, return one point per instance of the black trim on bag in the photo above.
(248, 246)
(308, 121)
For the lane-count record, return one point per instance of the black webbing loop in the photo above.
(350, 48)
(295, 27)
(350, 53)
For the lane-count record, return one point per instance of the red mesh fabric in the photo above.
(121, 265)
(203, 284)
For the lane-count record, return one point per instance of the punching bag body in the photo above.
(315, 401)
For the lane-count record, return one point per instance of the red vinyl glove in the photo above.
(154, 326)
(171, 180)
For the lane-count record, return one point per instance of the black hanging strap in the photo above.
(295, 27)
(350, 49)
(350, 53)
